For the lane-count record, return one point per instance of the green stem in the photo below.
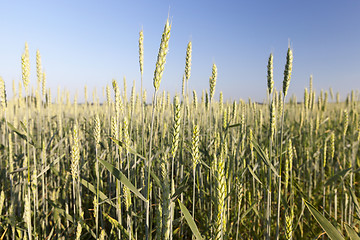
(147, 226)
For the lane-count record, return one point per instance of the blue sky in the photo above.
(92, 42)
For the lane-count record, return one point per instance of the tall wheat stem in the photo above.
(149, 169)
(286, 83)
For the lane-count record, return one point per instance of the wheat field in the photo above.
(178, 167)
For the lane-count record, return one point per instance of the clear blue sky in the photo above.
(92, 42)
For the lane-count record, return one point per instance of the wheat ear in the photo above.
(270, 75)
(161, 59)
(188, 61)
(212, 81)
(287, 72)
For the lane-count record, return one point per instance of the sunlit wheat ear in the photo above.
(287, 72)
(108, 94)
(289, 224)
(234, 111)
(311, 89)
(78, 231)
(320, 100)
(102, 235)
(114, 128)
(221, 102)
(141, 51)
(2, 93)
(195, 146)
(38, 68)
(127, 198)
(324, 153)
(75, 152)
(95, 203)
(206, 100)
(188, 61)
(212, 81)
(306, 99)
(251, 144)
(161, 59)
(224, 119)
(280, 104)
(132, 98)
(272, 119)
(195, 100)
(127, 202)
(176, 126)
(117, 99)
(25, 67)
(97, 129)
(270, 76)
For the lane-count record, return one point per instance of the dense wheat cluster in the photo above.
(177, 167)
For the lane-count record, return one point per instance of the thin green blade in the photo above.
(121, 177)
(351, 232)
(91, 187)
(337, 176)
(330, 230)
(190, 221)
(131, 150)
(264, 157)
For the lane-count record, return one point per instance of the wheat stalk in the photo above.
(159, 69)
(166, 201)
(97, 132)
